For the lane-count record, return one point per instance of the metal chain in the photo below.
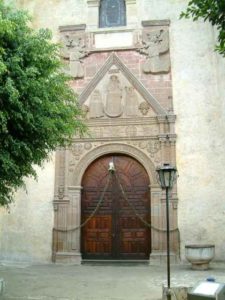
(101, 201)
(93, 213)
(135, 211)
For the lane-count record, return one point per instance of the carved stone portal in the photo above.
(125, 118)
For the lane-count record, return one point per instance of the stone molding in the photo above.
(75, 188)
(113, 59)
(123, 121)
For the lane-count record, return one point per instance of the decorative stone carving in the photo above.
(61, 191)
(142, 145)
(87, 146)
(155, 47)
(74, 50)
(153, 147)
(114, 60)
(131, 101)
(77, 149)
(144, 108)
(96, 106)
(113, 106)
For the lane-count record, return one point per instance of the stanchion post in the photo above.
(167, 175)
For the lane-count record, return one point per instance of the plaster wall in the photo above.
(199, 103)
(26, 229)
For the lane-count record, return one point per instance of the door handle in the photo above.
(113, 235)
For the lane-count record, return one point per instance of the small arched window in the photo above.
(112, 13)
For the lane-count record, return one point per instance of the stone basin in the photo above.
(200, 255)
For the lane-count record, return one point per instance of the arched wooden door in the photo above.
(115, 232)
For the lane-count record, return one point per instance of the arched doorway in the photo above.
(115, 232)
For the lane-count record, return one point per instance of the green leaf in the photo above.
(38, 110)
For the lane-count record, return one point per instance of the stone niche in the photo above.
(126, 95)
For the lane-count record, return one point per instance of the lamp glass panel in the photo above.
(172, 177)
(167, 177)
(161, 178)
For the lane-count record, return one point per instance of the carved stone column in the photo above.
(131, 8)
(93, 14)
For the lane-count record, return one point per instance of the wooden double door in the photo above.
(116, 231)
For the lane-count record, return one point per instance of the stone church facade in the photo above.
(151, 89)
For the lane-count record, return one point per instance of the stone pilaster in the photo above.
(155, 217)
(70, 235)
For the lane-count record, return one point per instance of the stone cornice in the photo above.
(80, 27)
(161, 118)
(149, 23)
(116, 139)
(121, 122)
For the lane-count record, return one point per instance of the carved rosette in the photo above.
(144, 108)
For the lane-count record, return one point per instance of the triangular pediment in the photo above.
(113, 64)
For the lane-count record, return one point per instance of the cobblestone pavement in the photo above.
(93, 282)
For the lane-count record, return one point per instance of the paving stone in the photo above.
(110, 282)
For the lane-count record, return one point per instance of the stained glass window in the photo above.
(112, 13)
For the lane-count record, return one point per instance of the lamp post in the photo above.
(167, 175)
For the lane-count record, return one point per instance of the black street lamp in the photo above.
(167, 176)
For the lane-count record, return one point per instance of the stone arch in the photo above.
(141, 157)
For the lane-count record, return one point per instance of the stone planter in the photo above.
(199, 255)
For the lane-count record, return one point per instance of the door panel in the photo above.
(115, 232)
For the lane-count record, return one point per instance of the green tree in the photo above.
(38, 109)
(212, 11)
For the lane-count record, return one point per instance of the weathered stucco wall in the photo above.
(26, 230)
(198, 96)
